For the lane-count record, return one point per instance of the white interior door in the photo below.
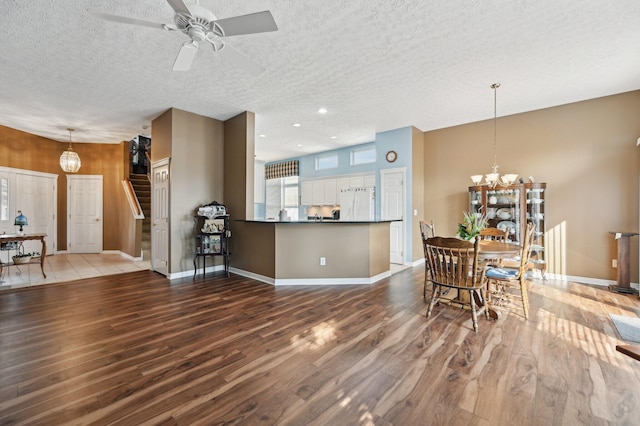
(36, 198)
(160, 217)
(392, 204)
(84, 208)
(35, 195)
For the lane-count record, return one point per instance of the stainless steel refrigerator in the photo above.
(357, 204)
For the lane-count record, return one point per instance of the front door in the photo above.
(84, 208)
(160, 217)
(392, 203)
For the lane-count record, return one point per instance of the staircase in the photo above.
(142, 188)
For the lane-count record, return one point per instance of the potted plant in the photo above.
(471, 225)
(22, 258)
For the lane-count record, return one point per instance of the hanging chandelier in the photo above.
(493, 179)
(69, 160)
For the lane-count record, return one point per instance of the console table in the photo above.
(9, 238)
(623, 285)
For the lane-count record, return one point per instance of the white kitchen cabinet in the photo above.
(356, 181)
(306, 193)
(330, 195)
(369, 180)
(318, 193)
(342, 183)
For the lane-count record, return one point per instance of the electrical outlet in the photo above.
(323, 261)
(614, 263)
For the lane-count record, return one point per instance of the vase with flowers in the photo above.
(471, 225)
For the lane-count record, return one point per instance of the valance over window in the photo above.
(282, 169)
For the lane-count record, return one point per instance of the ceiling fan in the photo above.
(201, 25)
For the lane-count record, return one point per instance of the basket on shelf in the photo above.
(20, 260)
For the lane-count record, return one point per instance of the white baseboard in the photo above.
(257, 277)
(190, 273)
(585, 280)
(311, 281)
(416, 262)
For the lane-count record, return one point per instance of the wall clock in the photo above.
(392, 156)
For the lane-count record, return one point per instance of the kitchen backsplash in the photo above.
(324, 211)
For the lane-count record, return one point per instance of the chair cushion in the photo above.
(501, 273)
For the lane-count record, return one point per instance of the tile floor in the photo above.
(68, 267)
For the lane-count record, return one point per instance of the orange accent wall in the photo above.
(23, 150)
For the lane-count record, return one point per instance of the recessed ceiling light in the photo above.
(297, 124)
(322, 110)
(299, 144)
(262, 135)
(333, 137)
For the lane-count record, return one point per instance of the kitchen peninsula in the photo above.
(292, 252)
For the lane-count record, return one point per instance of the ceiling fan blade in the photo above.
(179, 6)
(185, 57)
(259, 22)
(239, 60)
(133, 21)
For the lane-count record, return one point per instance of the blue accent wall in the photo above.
(398, 140)
(308, 163)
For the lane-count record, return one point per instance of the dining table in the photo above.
(489, 249)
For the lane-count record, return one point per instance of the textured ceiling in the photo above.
(376, 65)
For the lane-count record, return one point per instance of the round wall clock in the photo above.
(392, 156)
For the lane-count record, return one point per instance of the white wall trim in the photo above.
(311, 281)
(415, 262)
(184, 274)
(257, 277)
(585, 280)
(27, 172)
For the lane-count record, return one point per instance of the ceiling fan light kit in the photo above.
(200, 24)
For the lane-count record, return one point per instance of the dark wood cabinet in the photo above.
(512, 207)
(212, 235)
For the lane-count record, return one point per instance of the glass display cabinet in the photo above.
(511, 207)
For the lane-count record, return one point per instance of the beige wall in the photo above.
(253, 247)
(239, 154)
(348, 248)
(586, 153)
(195, 145)
(417, 191)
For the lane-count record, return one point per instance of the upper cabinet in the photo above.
(330, 195)
(324, 191)
(512, 207)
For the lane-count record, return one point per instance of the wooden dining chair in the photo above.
(453, 264)
(427, 230)
(504, 284)
(495, 234)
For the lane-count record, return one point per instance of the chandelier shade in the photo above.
(70, 160)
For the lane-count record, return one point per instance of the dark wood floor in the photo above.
(134, 349)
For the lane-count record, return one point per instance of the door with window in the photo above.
(84, 212)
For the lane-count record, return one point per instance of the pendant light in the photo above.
(69, 160)
(493, 179)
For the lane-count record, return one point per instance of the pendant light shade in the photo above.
(69, 160)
